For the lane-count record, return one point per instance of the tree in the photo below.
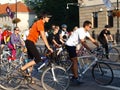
(58, 10)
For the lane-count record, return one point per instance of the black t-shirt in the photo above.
(101, 35)
(56, 37)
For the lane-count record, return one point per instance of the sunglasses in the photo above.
(16, 30)
(90, 26)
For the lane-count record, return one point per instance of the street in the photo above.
(88, 82)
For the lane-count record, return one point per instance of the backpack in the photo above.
(6, 33)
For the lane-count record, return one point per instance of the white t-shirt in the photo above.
(25, 34)
(78, 34)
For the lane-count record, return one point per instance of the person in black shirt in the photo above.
(103, 39)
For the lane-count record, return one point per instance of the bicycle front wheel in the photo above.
(55, 78)
(102, 73)
(114, 54)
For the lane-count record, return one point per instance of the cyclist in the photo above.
(36, 30)
(63, 33)
(0, 39)
(77, 36)
(104, 37)
(14, 41)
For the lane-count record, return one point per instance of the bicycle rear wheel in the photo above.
(64, 60)
(102, 73)
(9, 80)
(61, 81)
(114, 54)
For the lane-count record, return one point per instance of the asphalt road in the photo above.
(88, 82)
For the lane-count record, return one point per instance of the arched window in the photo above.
(110, 18)
(95, 19)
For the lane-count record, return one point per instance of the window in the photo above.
(95, 19)
(110, 18)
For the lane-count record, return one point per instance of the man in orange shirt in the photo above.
(36, 30)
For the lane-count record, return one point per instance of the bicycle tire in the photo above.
(62, 77)
(64, 60)
(4, 57)
(102, 73)
(12, 81)
(114, 54)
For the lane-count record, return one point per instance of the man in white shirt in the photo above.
(77, 37)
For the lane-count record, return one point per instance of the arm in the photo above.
(61, 39)
(43, 36)
(55, 43)
(5, 39)
(94, 41)
(106, 37)
(82, 41)
(111, 38)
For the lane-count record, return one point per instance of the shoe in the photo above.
(75, 81)
(11, 58)
(107, 56)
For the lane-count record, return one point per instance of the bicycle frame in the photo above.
(88, 66)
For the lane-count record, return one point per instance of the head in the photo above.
(16, 30)
(87, 25)
(45, 16)
(53, 26)
(107, 27)
(75, 28)
(56, 29)
(64, 27)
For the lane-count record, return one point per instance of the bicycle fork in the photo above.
(53, 73)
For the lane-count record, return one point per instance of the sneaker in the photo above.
(107, 56)
(11, 58)
(74, 81)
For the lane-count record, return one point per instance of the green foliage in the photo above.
(58, 10)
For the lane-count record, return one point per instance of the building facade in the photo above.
(99, 15)
(22, 12)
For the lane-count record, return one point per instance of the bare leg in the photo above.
(27, 65)
(75, 67)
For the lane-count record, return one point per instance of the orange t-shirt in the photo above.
(35, 31)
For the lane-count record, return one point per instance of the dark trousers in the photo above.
(104, 45)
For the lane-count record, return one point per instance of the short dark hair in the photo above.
(107, 26)
(15, 28)
(86, 23)
(44, 14)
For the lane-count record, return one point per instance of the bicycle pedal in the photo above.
(28, 79)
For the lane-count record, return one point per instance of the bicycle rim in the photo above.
(11, 81)
(62, 79)
(114, 54)
(102, 73)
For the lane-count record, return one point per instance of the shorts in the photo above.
(72, 51)
(32, 51)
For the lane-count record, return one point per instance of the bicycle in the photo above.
(61, 57)
(101, 72)
(53, 76)
(114, 54)
(9, 66)
(82, 51)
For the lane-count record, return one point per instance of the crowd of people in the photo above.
(56, 36)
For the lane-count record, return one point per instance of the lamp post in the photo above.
(16, 12)
(117, 33)
(75, 4)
